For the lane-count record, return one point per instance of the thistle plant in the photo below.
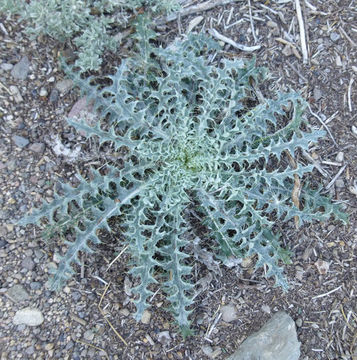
(195, 135)
(86, 24)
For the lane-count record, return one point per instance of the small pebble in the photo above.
(334, 36)
(6, 66)
(28, 316)
(37, 147)
(64, 86)
(124, 312)
(287, 51)
(145, 319)
(35, 285)
(17, 293)
(272, 24)
(21, 69)
(298, 322)
(43, 92)
(20, 141)
(340, 183)
(164, 337)
(229, 313)
(340, 156)
(49, 346)
(54, 96)
(88, 335)
(28, 263)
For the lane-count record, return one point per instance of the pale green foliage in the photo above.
(195, 135)
(85, 22)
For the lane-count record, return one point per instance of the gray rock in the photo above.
(37, 147)
(28, 316)
(21, 69)
(88, 335)
(17, 293)
(20, 141)
(35, 285)
(317, 94)
(276, 340)
(64, 86)
(53, 96)
(340, 183)
(164, 337)
(6, 66)
(334, 36)
(28, 263)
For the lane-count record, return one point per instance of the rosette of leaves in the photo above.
(195, 134)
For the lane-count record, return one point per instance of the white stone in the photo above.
(28, 316)
(340, 156)
(229, 313)
(145, 319)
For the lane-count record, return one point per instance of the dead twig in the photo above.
(251, 22)
(315, 163)
(323, 124)
(328, 293)
(305, 56)
(295, 195)
(229, 41)
(349, 94)
(5, 88)
(195, 9)
(103, 314)
(343, 33)
(336, 177)
(117, 257)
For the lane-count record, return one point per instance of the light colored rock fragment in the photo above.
(145, 319)
(63, 86)
(193, 23)
(229, 313)
(17, 293)
(28, 316)
(276, 340)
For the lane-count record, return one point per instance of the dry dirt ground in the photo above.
(323, 303)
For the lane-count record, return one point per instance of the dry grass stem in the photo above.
(229, 41)
(302, 32)
(117, 257)
(323, 124)
(252, 22)
(328, 293)
(344, 34)
(349, 94)
(336, 177)
(105, 318)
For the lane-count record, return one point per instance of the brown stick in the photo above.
(295, 195)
